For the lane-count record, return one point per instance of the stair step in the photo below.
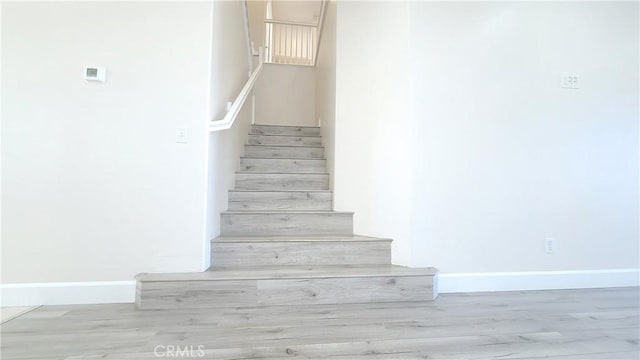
(283, 165)
(284, 130)
(290, 152)
(237, 223)
(285, 140)
(257, 200)
(297, 238)
(311, 285)
(277, 181)
(302, 250)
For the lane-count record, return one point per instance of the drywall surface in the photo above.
(285, 95)
(453, 136)
(373, 159)
(325, 91)
(256, 10)
(305, 11)
(507, 157)
(229, 72)
(94, 185)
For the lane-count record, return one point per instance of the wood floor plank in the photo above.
(566, 324)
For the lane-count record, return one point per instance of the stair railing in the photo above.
(233, 108)
(290, 43)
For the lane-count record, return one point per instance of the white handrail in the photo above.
(291, 42)
(247, 30)
(323, 10)
(233, 111)
(272, 21)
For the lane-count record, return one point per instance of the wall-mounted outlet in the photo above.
(182, 135)
(548, 245)
(569, 80)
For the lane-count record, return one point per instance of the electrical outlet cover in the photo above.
(569, 80)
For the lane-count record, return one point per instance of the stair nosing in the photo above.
(284, 212)
(295, 239)
(244, 241)
(288, 135)
(278, 191)
(293, 146)
(272, 158)
(293, 126)
(378, 271)
(282, 173)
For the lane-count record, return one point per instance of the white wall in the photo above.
(285, 95)
(457, 141)
(1, 150)
(372, 155)
(306, 11)
(256, 10)
(325, 90)
(508, 157)
(229, 73)
(94, 186)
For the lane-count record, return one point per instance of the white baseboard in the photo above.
(537, 280)
(105, 292)
(66, 293)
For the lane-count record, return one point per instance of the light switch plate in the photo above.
(182, 135)
(548, 245)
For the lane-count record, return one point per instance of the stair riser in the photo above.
(280, 200)
(285, 140)
(284, 130)
(281, 253)
(283, 165)
(291, 152)
(329, 223)
(317, 291)
(282, 181)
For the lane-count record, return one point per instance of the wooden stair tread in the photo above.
(285, 126)
(279, 191)
(234, 212)
(299, 238)
(288, 146)
(289, 135)
(280, 158)
(280, 173)
(290, 272)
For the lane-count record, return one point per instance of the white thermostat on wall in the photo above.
(95, 73)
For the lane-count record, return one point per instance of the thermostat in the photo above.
(95, 73)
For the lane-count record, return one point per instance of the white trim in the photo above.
(63, 293)
(104, 292)
(253, 109)
(247, 31)
(323, 10)
(537, 280)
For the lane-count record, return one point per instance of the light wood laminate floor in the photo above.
(8, 313)
(559, 324)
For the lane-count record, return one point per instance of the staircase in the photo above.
(282, 244)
